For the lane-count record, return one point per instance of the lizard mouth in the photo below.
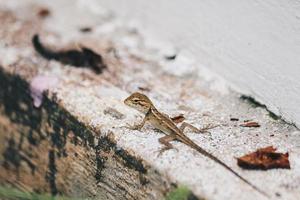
(126, 101)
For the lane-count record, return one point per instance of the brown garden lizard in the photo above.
(162, 122)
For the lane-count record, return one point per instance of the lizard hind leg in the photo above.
(185, 125)
(166, 142)
(197, 130)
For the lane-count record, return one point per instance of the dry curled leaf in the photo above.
(264, 158)
(178, 119)
(250, 124)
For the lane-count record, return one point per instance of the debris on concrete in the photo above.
(250, 124)
(178, 119)
(44, 12)
(265, 158)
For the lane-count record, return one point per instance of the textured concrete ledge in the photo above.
(76, 143)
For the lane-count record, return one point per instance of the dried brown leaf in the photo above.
(43, 12)
(264, 158)
(250, 124)
(178, 119)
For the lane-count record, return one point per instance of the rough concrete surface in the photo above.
(254, 45)
(77, 144)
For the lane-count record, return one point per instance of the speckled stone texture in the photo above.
(76, 142)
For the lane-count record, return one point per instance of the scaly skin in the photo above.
(162, 122)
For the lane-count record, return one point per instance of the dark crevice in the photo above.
(51, 174)
(106, 144)
(256, 104)
(271, 114)
(13, 156)
(100, 163)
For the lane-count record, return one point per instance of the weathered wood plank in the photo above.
(48, 150)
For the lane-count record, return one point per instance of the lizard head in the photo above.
(139, 101)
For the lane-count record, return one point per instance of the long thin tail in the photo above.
(46, 53)
(191, 143)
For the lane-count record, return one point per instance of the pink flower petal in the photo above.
(38, 85)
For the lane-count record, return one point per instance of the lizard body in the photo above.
(162, 122)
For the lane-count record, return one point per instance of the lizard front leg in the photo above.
(140, 125)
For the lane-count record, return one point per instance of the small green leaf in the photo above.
(180, 193)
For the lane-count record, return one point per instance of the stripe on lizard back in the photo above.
(165, 124)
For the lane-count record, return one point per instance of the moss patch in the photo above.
(181, 193)
(11, 193)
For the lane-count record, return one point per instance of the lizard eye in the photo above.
(135, 100)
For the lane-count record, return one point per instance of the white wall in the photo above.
(255, 45)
